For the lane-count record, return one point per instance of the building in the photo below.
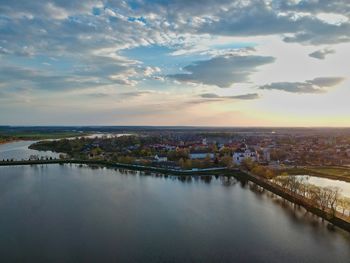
(244, 153)
(267, 156)
(161, 158)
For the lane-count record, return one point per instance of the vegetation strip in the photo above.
(324, 214)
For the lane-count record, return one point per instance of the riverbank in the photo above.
(336, 219)
(205, 171)
(10, 141)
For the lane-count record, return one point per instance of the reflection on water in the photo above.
(325, 182)
(20, 151)
(72, 213)
(76, 213)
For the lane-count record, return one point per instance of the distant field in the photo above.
(13, 136)
(43, 135)
(332, 172)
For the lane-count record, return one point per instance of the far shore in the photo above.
(12, 141)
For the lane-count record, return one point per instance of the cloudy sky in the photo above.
(180, 62)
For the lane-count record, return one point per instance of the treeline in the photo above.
(257, 169)
(325, 198)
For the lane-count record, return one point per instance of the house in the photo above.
(161, 158)
(267, 155)
(244, 153)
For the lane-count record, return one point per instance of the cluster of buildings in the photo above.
(272, 149)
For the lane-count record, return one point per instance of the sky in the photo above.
(180, 62)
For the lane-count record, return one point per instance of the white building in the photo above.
(161, 158)
(244, 153)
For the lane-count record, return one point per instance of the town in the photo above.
(198, 149)
(280, 161)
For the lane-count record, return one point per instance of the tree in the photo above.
(226, 161)
(182, 163)
(269, 174)
(248, 164)
(332, 197)
(293, 184)
(207, 161)
(344, 204)
(225, 151)
(188, 164)
(126, 159)
(258, 170)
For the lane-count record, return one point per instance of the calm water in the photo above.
(325, 182)
(62, 213)
(19, 150)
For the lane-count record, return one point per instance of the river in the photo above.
(343, 186)
(73, 213)
(19, 151)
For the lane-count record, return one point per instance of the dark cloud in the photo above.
(250, 96)
(315, 6)
(123, 95)
(73, 28)
(326, 81)
(212, 97)
(317, 85)
(261, 19)
(251, 18)
(321, 33)
(15, 77)
(222, 71)
(322, 53)
(132, 94)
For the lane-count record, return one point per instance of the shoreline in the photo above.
(205, 171)
(12, 141)
(335, 220)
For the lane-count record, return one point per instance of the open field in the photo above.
(9, 136)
